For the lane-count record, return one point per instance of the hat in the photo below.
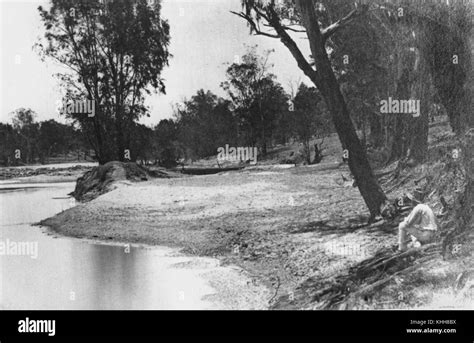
(412, 198)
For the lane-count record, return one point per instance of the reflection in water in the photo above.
(118, 278)
(75, 274)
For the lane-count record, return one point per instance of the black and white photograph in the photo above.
(264, 155)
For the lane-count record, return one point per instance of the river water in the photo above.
(39, 270)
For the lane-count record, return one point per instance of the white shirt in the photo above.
(422, 217)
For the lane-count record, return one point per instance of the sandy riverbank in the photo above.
(282, 226)
(291, 230)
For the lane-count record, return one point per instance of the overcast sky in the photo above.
(204, 37)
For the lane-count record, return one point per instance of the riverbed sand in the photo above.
(281, 226)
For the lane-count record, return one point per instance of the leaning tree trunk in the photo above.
(358, 162)
(327, 83)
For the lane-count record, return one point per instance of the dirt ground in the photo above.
(281, 225)
(294, 229)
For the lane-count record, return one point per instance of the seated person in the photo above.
(420, 223)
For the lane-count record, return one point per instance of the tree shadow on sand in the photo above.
(356, 224)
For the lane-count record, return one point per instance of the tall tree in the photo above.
(309, 117)
(447, 51)
(57, 138)
(166, 143)
(445, 28)
(9, 142)
(115, 52)
(359, 60)
(203, 124)
(24, 124)
(281, 18)
(257, 98)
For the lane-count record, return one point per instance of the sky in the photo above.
(205, 39)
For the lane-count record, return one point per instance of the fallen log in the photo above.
(373, 274)
(390, 260)
(206, 171)
(373, 286)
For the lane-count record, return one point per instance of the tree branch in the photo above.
(254, 26)
(274, 21)
(286, 39)
(331, 29)
(289, 28)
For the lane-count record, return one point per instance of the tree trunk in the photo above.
(119, 137)
(376, 138)
(264, 141)
(100, 151)
(399, 144)
(327, 83)
(419, 136)
(419, 126)
(307, 151)
(120, 148)
(466, 208)
(466, 214)
(449, 78)
(262, 121)
(358, 162)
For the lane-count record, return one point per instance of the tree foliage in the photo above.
(115, 52)
(259, 102)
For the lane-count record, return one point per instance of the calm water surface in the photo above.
(75, 274)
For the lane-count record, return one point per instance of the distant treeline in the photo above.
(206, 122)
(257, 112)
(26, 141)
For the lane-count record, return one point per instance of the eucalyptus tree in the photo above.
(113, 53)
(282, 20)
(259, 101)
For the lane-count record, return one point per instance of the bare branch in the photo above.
(274, 21)
(286, 39)
(294, 30)
(331, 29)
(289, 28)
(254, 25)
